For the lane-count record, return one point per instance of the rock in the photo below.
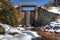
(14, 31)
(2, 30)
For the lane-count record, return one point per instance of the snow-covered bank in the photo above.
(54, 27)
(54, 9)
(22, 33)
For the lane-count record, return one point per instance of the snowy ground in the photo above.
(22, 36)
(22, 33)
(54, 27)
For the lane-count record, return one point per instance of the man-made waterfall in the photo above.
(28, 18)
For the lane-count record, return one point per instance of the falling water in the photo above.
(28, 18)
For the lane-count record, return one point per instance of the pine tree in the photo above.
(7, 13)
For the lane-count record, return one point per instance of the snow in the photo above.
(8, 36)
(20, 25)
(16, 6)
(5, 26)
(12, 30)
(33, 34)
(23, 35)
(20, 28)
(51, 30)
(58, 30)
(53, 27)
(14, 39)
(58, 20)
(55, 10)
(1, 36)
(29, 28)
(4, 39)
(55, 23)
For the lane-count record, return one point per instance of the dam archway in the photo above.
(30, 13)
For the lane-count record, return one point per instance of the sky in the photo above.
(39, 2)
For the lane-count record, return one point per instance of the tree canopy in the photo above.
(7, 13)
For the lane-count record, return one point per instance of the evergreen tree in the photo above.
(7, 13)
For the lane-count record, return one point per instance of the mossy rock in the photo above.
(2, 30)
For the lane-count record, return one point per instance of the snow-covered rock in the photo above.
(4, 39)
(29, 28)
(52, 23)
(58, 30)
(13, 30)
(23, 36)
(33, 34)
(8, 36)
(42, 29)
(1, 36)
(58, 20)
(20, 28)
(55, 23)
(20, 25)
(14, 39)
(5, 26)
(51, 30)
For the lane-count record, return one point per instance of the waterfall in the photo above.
(28, 18)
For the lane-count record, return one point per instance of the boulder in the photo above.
(2, 30)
